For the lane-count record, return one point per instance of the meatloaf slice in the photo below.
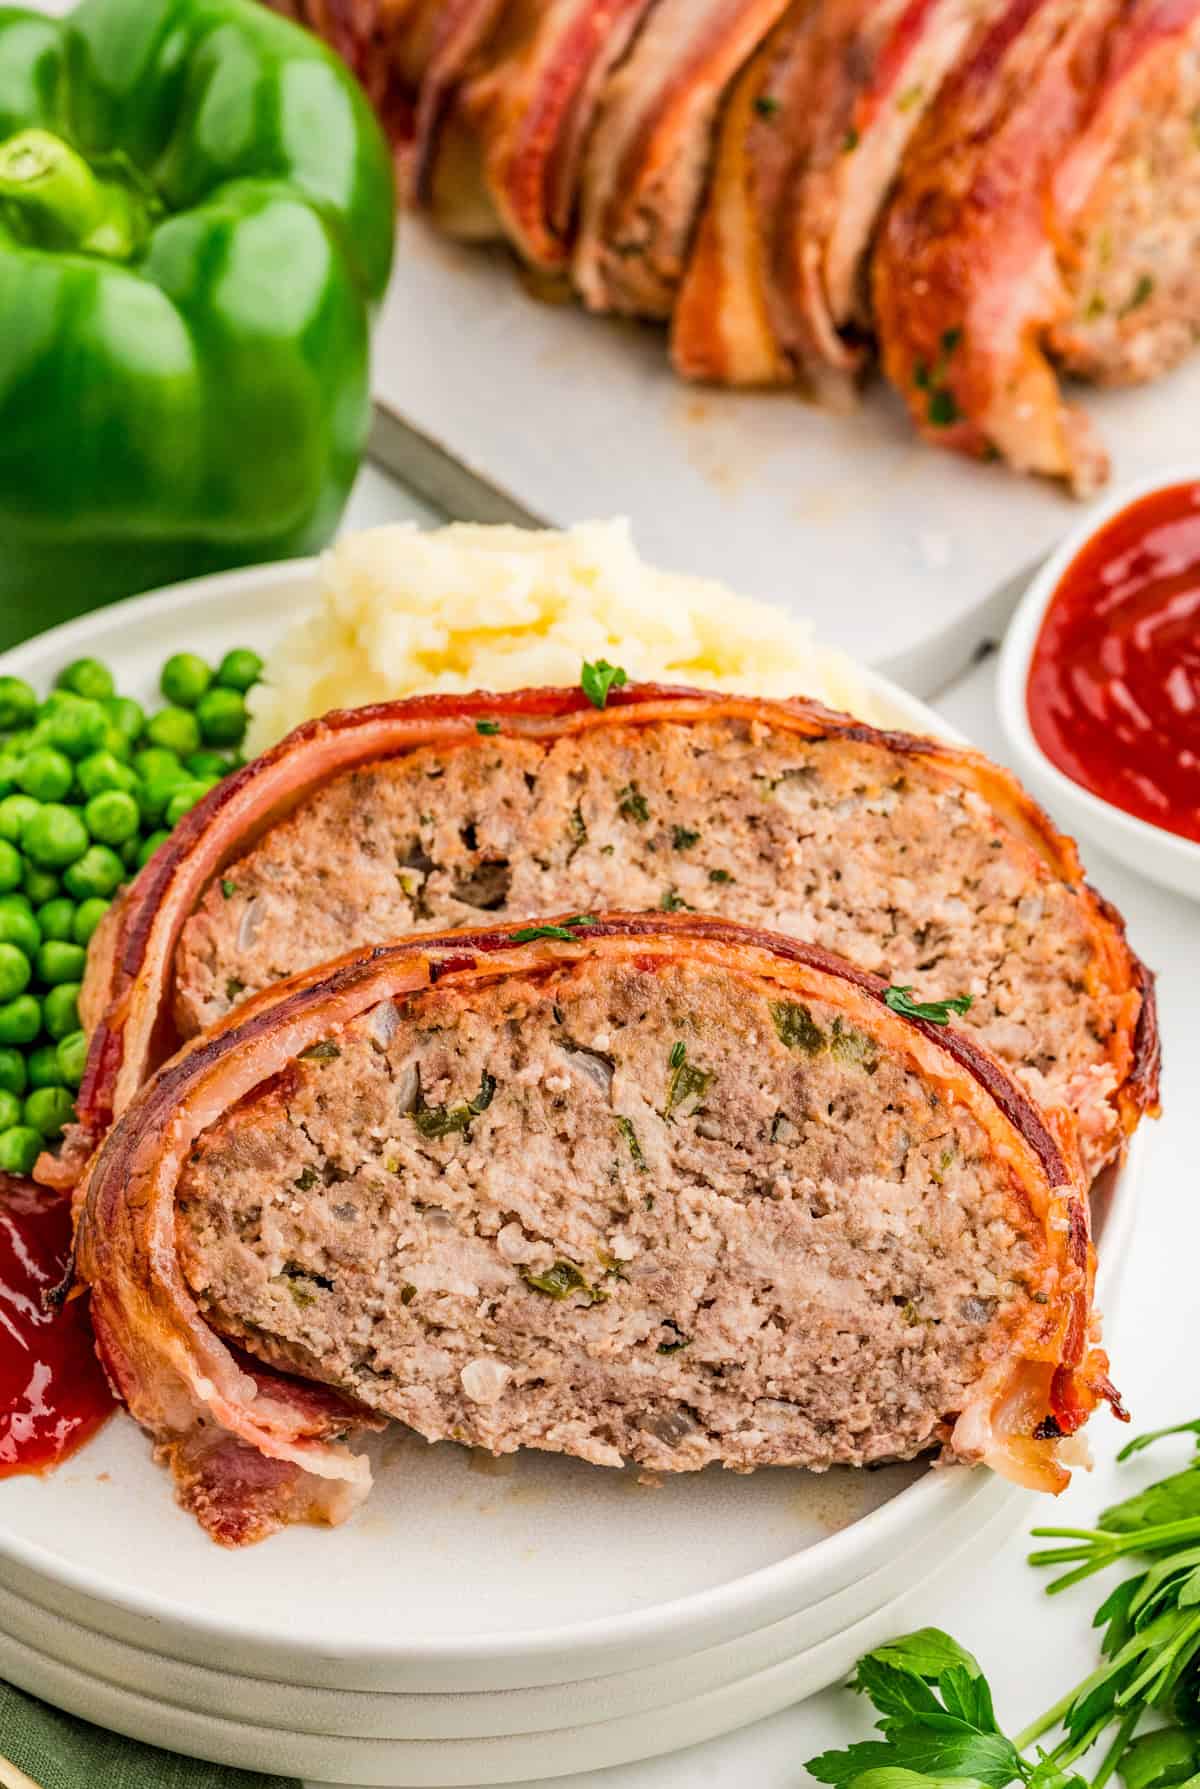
(916, 862)
(1132, 190)
(647, 1189)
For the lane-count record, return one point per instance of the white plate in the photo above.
(257, 1728)
(900, 553)
(516, 1585)
(1150, 850)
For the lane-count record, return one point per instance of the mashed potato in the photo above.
(462, 608)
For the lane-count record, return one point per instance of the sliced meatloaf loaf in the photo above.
(649, 1189)
(922, 863)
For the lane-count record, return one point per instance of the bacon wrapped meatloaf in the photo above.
(918, 861)
(990, 192)
(653, 1189)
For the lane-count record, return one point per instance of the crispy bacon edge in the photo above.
(252, 1450)
(967, 279)
(535, 109)
(646, 168)
(127, 995)
(811, 142)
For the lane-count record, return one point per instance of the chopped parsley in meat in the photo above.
(685, 1080)
(444, 1121)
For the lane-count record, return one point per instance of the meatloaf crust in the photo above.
(919, 861)
(651, 1189)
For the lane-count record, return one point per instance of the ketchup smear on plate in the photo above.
(1114, 684)
(53, 1393)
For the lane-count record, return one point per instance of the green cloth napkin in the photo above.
(59, 1752)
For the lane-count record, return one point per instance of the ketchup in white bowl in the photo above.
(1113, 691)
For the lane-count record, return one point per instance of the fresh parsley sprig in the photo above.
(596, 680)
(566, 932)
(936, 1720)
(936, 1012)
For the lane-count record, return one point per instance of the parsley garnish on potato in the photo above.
(596, 680)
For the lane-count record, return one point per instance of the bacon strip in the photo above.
(252, 1449)
(429, 52)
(721, 328)
(128, 991)
(967, 276)
(647, 163)
(883, 65)
(511, 148)
(810, 148)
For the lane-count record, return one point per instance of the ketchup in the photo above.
(53, 1394)
(1114, 684)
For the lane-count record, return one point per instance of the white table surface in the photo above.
(1032, 1650)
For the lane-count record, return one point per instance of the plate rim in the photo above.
(734, 1599)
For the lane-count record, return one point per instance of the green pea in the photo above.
(89, 913)
(156, 760)
(103, 771)
(72, 724)
(86, 677)
(112, 817)
(45, 774)
(16, 971)
(58, 961)
(184, 679)
(20, 1020)
(57, 918)
(116, 743)
(150, 846)
(42, 1064)
(48, 1109)
(14, 1077)
(175, 729)
(11, 867)
(9, 765)
(207, 767)
(184, 799)
(128, 852)
(126, 715)
(17, 924)
(15, 811)
(222, 717)
(10, 1109)
(55, 836)
(98, 872)
(19, 1149)
(40, 885)
(157, 791)
(72, 1053)
(60, 1009)
(239, 669)
(18, 703)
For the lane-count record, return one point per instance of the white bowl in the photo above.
(1150, 850)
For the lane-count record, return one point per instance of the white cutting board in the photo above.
(891, 547)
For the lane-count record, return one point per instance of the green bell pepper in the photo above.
(196, 219)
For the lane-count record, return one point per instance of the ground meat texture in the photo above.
(884, 859)
(1134, 261)
(631, 1215)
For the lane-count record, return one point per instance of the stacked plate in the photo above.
(480, 1621)
(472, 1626)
